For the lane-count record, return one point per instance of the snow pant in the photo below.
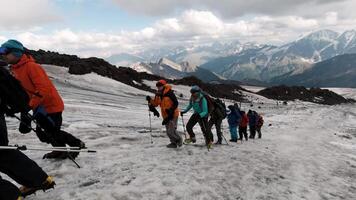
(203, 123)
(233, 132)
(258, 129)
(20, 168)
(252, 132)
(8, 191)
(171, 130)
(49, 130)
(217, 122)
(4, 141)
(243, 133)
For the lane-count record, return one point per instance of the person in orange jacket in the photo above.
(45, 101)
(243, 125)
(167, 100)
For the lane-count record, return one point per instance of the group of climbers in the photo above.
(207, 113)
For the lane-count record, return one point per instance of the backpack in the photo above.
(220, 108)
(13, 96)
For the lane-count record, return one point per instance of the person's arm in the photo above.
(41, 83)
(190, 105)
(156, 101)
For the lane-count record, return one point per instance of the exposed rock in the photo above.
(315, 95)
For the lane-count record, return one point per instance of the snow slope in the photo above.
(308, 152)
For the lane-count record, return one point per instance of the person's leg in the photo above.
(208, 135)
(259, 131)
(244, 130)
(8, 191)
(218, 129)
(193, 120)
(171, 129)
(240, 133)
(233, 133)
(21, 168)
(4, 141)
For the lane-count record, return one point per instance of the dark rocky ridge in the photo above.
(80, 66)
(315, 95)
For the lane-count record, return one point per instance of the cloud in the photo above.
(237, 8)
(190, 27)
(27, 14)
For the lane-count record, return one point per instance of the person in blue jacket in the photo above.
(201, 113)
(233, 118)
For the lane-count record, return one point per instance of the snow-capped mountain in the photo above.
(266, 62)
(169, 69)
(194, 54)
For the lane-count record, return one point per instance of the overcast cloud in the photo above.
(181, 22)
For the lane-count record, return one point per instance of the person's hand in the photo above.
(39, 110)
(148, 98)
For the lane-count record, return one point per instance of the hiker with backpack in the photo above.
(217, 115)
(13, 162)
(259, 125)
(252, 122)
(167, 100)
(233, 118)
(45, 101)
(199, 102)
(243, 126)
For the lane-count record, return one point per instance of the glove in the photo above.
(182, 113)
(148, 98)
(25, 124)
(165, 121)
(39, 111)
(154, 110)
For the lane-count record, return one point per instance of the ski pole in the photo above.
(149, 115)
(61, 149)
(185, 135)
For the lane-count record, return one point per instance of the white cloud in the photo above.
(26, 14)
(191, 26)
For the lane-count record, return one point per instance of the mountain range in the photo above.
(244, 61)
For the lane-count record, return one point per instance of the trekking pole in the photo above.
(185, 135)
(61, 149)
(149, 115)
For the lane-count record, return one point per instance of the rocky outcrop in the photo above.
(315, 95)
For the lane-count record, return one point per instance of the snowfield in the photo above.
(308, 151)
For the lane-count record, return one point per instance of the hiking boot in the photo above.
(180, 142)
(172, 145)
(209, 145)
(233, 140)
(190, 140)
(218, 142)
(47, 184)
(74, 155)
(56, 155)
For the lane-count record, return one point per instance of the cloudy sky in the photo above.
(104, 27)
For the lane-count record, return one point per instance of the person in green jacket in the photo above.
(201, 113)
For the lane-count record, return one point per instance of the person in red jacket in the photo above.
(243, 125)
(45, 101)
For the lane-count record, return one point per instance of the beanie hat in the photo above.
(12, 46)
(194, 89)
(161, 83)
